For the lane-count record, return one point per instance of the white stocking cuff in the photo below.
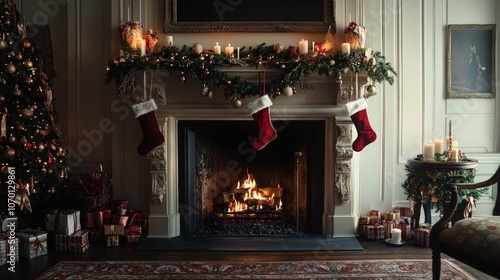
(144, 107)
(355, 106)
(259, 104)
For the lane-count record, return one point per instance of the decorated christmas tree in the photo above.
(32, 152)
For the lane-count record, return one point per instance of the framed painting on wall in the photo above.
(250, 16)
(471, 61)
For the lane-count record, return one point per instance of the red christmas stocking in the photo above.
(366, 135)
(151, 134)
(261, 114)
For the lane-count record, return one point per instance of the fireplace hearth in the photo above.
(227, 188)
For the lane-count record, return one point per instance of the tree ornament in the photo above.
(288, 91)
(10, 152)
(28, 64)
(294, 90)
(19, 56)
(332, 62)
(278, 48)
(26, 44)
(41, 147)
(3, 44)
(12, 139)
(371, 88)
(372, 61)
(204, 90)
(236, 102)
(387, 73)
(197, 48)
(24, 140)
(28, 112)
(10, 68)
(182, 78)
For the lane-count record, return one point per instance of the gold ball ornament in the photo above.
(10, 153)
(371, 89)
(197, 48)
(236, 102)
(12, 139)
(26, 44)
(19, 56)
(387, 73)
(41, 147)
(10, 68)
(3, 44)
(288, 91)
(60, 151)
(24, 140)
(372, 61)
(206, 92)
(332, 62)
(28, 64)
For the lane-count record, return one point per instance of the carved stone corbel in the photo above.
(158, 171)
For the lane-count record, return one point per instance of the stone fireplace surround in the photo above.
(182, 101)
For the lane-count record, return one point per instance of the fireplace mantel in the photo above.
(177, 101)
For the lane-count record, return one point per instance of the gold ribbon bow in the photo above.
(22, 198)
(471, 206)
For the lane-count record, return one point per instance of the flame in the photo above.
(253, 197)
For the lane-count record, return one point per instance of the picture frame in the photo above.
(249, 16)
(471, 61)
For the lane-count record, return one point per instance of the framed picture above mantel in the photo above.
(471, 60)
(249, 16)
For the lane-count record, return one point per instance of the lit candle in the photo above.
(170, 41)
(229, 49)
(429, 151)
(450, 128)
(346, 48)
(313, 46)
(396, 236)
(141, 43)
(217, 48)
(303, 46)
(439, 145)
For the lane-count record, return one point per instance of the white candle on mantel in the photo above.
(142, 46)
(450, 131)
(346, 48)
(229, 49)
(217, 48)
(396, 236)
(438, 146)
(170, 41)
(303, 46)
(238, 53)
(429, 151)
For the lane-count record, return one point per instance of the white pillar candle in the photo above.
(450, 129)
(346, 48)
(438, 146)
(303, 46)
(170, 41)
(396, 236)
(313, 47)
(454, 153)
(229, 49)
(217, 48)
(142, 46)
(238, 53)
(429, 151)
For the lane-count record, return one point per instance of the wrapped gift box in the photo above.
(119, 220)
(388, 226)
(78, 242)
(32, 243)
(134, 217)
(374, 231)
(114, 230)
(9, 249)
(133, 230)
(405, 231)
(422, 235)
(63, 221)
(89, 220)
(130, 238)
(404, 211)
(112, 241)
(102, 217)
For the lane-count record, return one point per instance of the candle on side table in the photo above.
(438, 146)
(429, 151)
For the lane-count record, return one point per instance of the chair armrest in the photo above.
(468, 186)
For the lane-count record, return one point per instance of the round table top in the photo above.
(467, 164)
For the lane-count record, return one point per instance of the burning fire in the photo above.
(247, 196)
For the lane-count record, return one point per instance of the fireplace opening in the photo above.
(227, 188)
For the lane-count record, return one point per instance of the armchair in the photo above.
(474, 241)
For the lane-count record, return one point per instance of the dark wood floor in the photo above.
(372, 250)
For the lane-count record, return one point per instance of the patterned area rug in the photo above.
(368, 269)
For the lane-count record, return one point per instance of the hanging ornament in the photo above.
(332, 62)
(24, 140)
(10, 68)
(236, 102)
(371, 89)
(372, 61)
(387, 73)
(28, 64)
(278, 48)
(339, 81)
(288, 91)
(41, 147)
(12, 139)
(206, 92)
(197, 48)
(26, 44)
(278, 92)
(3, 44)
(19, 56)
(10, 152)
(182, 78)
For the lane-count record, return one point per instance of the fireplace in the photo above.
(228, 188)
(327, 181)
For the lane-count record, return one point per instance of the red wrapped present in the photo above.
(119, 220)
(32, 243)
(374, 231)
(113, 230)
(133, 230)
(112, 241)
(63, 221)
(405, 231)
(134, 217)
(102, 217)
(422, 235)
(404, 211)
(78, 242)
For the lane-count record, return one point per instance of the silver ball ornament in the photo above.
(197, 48)
(288, 91)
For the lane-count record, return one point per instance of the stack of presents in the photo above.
(72, 231)
(377, 225)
